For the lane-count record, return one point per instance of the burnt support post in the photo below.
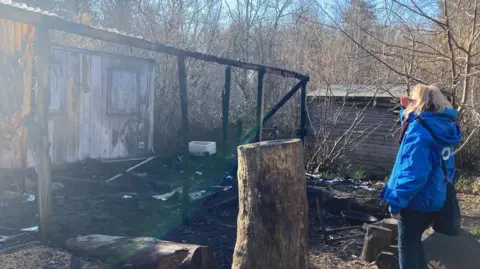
(226, 107)
(260, 104)
(43, 162)
(303, 112)
(239, 131)
(274, 110)
(182, 81)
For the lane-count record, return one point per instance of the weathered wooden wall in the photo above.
(82, 123)
(376, 154)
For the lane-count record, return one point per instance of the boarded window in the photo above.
(123, 92)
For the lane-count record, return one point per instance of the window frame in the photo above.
(112, 111)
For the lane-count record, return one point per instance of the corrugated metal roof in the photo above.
(341, 90)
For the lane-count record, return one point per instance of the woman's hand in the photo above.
(404, 100)
(395, 216)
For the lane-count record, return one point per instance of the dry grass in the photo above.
(468, 185)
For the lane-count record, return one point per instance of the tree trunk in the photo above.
(143, 252)
(376, 240)
(272, 225)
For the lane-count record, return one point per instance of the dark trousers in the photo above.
(411, 226)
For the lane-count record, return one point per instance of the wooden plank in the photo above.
(16, 12)
(226, 108)
(96, 107)
(72, 105)
(143, 119)
(60, 118)
(84, 117)
(105, 132)
(151, 105)
(260, 105)
(303, 111)
(182, 81)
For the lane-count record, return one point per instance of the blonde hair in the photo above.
(427, 97)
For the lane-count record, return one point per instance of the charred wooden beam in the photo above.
(303, 112)
(20, 13)
(182, 81)
(249, 137)
(226, 107)
(115, 168)
(260, 105)
(282, 101)
(239, 131)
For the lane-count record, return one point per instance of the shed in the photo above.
(363, 119)
(101, 107)
(23, 23)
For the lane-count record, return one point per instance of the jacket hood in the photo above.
(444, 126)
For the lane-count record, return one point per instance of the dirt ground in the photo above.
(125, 209)
(345, 255)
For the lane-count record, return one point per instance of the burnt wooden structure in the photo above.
(44, 21)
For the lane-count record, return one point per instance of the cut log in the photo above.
(273, 218)
(391, 224)
(388, 259)
(143, 252)
(376, 240)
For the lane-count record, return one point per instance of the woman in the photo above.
(417, 187)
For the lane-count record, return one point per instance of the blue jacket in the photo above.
(418, 181)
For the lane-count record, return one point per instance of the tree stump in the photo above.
(388, 259)
(272, 224)
(143, 252)
(391, 224)
(376, 240)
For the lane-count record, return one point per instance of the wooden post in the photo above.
(272, 225)
(226, 107)
(239, 131)
(260, 103)
(43, 162)
(182, 81)
(303, 111)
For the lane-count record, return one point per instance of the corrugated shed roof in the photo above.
(341, 90)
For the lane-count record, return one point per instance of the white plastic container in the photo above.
(202, 148)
